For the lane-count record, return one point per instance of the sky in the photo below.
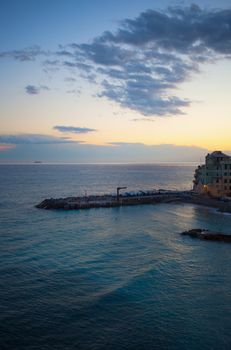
(114, 81)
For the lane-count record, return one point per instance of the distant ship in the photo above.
(37, 161)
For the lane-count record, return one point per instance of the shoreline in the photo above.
(109, 201)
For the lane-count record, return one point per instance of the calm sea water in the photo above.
(118, 278)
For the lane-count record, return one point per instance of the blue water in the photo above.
(114, 278)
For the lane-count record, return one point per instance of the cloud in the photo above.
(125, 144)
(79, 65)
(51, 64)
(190, 30)
(109, 55)
(73, 129)
(27, 54)
(35, 90)
(74, 91)
(142, 120)
(145, 95)
(18, 139)
(144, 61)
(64, 53)
(70, 80)
(139, 152)
(121, 152)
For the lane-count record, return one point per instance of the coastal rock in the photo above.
(51, 204)
(208, 235)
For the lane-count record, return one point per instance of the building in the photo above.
(214, 177)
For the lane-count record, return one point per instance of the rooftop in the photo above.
(218, 154)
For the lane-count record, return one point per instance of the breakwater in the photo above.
(139, 198)
(108, 201)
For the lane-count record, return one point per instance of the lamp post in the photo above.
(118, 192)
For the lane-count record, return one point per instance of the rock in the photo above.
(208, 235)
(194, 232)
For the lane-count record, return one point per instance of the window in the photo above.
(225, 181)
(226, 166)
(225, 187)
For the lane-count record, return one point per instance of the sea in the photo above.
(109, 278)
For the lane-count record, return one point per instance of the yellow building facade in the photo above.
(214, 177)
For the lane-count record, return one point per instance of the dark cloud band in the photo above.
(18, 139)
(35, 90)
(73, 129)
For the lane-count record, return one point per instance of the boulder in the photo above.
(208, 235)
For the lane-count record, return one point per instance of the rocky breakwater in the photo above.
(71, 203)
(208, 235)
(107, 201)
